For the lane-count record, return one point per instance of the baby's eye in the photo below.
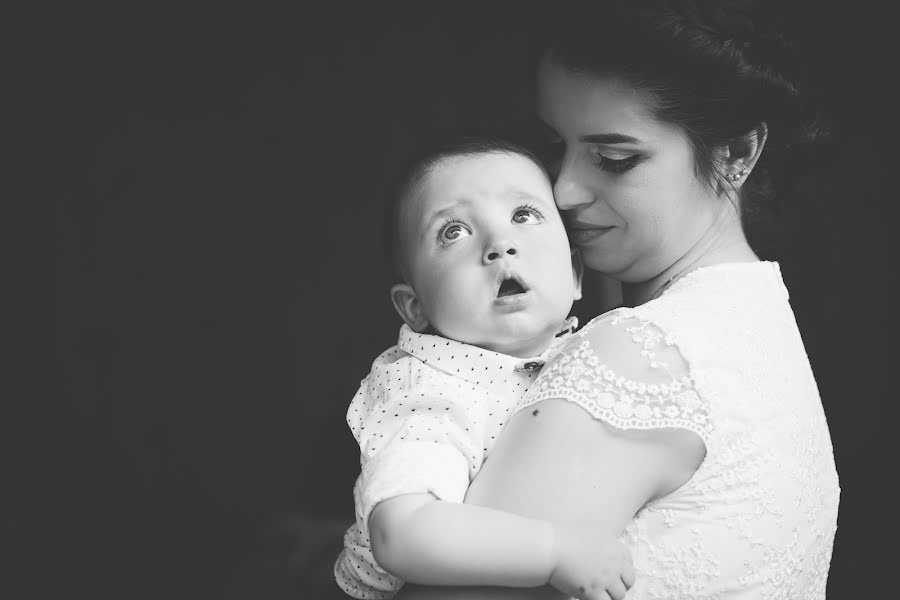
(527, 215)
(453, 232)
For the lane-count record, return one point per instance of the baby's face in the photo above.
(487, 253)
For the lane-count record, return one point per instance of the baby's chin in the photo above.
(520, 341)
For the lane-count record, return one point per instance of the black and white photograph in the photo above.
(538, 300)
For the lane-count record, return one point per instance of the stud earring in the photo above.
(737, 176)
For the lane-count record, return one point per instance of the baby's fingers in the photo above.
(593, 595)
(616, 590)
(628, 576)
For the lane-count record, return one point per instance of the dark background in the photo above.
(198, 288)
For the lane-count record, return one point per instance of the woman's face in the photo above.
(626, 181)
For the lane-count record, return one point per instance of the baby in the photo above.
(487, 281)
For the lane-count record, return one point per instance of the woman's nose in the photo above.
(498, 250)
(570, 194)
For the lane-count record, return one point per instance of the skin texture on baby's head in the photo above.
(481, 249)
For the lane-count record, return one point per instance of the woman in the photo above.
(689, 419)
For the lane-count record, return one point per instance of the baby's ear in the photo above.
(577, 271)
(407, 305)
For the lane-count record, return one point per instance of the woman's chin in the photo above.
(603, 262)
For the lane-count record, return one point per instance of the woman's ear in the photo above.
(407, 305)
(577, 271)
(739, 156)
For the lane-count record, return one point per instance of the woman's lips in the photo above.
(582, 234)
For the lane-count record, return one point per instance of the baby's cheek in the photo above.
(451, 315)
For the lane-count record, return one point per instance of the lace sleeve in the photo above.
(627, 372)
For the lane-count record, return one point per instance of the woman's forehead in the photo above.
(576, 103)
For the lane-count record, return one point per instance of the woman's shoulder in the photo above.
(642, 361)
(724, 284)
(704, 300)
(627, 372)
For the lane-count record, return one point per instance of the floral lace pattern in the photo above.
(719, 354)
(579, 375)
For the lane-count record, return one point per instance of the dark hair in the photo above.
(715, 68)
(414, 170)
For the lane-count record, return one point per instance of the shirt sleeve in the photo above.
(626, 372)
(414, 439)
(357, 573)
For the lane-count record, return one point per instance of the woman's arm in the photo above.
(560, 459)
(556, 462)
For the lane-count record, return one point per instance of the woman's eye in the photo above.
(453, 232)
(616, 165)
(526, 216)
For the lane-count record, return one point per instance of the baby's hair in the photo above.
(415, 169)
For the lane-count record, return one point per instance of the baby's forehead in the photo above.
(456, 185)
(470, 163)
(477, 182)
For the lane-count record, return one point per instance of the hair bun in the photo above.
(770, 66)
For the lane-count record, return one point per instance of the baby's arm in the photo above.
(418, 456)
(428, 541)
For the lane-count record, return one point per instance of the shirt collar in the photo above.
(492, 370)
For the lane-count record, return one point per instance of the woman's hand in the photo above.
(591, 565)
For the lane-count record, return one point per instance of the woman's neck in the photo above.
(724, 242)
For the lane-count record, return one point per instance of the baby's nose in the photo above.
(497, 250)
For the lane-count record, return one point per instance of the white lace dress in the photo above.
(719, 354)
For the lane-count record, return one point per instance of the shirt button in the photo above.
(531, 366)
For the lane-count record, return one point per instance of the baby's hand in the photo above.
(591, 566)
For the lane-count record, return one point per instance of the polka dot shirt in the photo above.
(425, 418)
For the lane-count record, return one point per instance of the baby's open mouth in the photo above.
(510, 286)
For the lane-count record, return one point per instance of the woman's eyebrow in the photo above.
(608, 138)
